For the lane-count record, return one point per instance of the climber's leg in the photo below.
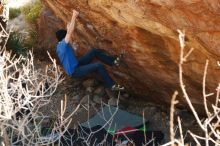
(95, 53)
(94, 67)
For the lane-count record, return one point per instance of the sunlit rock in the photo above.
(146, 32)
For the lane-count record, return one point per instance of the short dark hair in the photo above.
(60, 34)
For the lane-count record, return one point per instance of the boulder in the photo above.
(85, 99)
(88, 83)
(113, 101)
(146, 32)
(100, 91)
(47, 25)
(97, 99)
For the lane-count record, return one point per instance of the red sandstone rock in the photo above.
(146, 31)
(47, 25)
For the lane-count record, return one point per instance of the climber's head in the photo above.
(60, 34)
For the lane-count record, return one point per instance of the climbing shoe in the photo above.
(117, 88)
(118, 59)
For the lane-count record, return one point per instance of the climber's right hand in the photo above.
(71, 26)
(74, 15)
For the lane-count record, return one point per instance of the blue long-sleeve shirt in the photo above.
(67, 57)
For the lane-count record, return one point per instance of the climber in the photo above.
(80, 67)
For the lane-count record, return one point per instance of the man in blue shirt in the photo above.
(80, 67)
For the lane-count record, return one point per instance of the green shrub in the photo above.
(31, 41)
(14, 12)
(16, 43)
(32, 11)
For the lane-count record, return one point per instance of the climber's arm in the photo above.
(71, 26)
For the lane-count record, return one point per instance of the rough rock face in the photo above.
(146, 32)
(47, 25)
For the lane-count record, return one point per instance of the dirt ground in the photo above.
(91, 96)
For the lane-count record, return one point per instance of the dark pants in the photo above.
(85, 66)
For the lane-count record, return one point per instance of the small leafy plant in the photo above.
(14, 12)
(16, 43)
(32, 11)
